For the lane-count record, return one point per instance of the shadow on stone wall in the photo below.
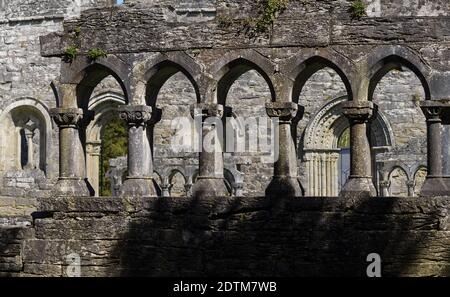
(288, 237)
(11, 240)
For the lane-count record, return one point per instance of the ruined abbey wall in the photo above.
(243, 234)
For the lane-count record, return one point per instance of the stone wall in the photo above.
(25, 75)
(231, 237)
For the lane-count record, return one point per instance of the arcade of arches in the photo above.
(323, 139)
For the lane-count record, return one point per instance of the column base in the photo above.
(284, 186)
(436, 186)
(73, 187)
(138, 187)
(358, 187)
(209, 187)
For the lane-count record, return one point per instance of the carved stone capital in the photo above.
(286, 111)
(358, 112)
(410, 183)
(436, 110)
(67, 117)
(206, 110)
(135, 115)
(385, 184)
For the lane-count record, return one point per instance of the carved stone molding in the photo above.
(359, 112)
(135, 115)
(67, 117)
(436, 110)
(286, 111)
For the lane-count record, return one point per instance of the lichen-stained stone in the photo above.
(315, 53)
(304, 236)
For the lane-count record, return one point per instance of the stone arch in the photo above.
(104, 105)
(160, 81)
(87, 75)
(320, 149)
(173, 173)
(232, 66)
(305, 67)
(386, 59)
(152, 75)
(329, 122)
(229, 180)
(398, 178)
(20, 110)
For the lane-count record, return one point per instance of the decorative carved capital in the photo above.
(385, 184)
(410, 183)
(286, 111)
(135, 115)
(67, 117)
(436, 110)
(358, 112)
(206, 110)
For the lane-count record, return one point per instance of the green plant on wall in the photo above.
(96, 53)
(114, 144)
(70, 53)
(270, 9)
(358, 9)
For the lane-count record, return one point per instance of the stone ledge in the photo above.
(224, 205)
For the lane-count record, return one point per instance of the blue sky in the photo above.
(119, 1)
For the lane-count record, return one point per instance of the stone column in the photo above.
(29, 134)
(139, 181)
(72, 173)
(187, 188)
(93, 154)
(285, 179)
(359, 183)
(210, 180)
(437, 112)
(410, 184)
(238, 189)
(384, 188)
(166, 188)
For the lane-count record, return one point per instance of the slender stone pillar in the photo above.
(384, 188)
(166, 188)
(437, 112)
(285, 179)
(359, 183)
(210, 180)
(238, 189)
(139, 181)
(187, 188)
(410, 184)
(72, 176)
(29, 134)
(93, 154)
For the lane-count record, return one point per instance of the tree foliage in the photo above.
(114, 144)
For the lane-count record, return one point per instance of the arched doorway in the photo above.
(326, 148)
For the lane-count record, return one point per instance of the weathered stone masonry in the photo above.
(283, 233)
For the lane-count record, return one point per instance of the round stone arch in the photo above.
(322, 153)
(21, 109)
(104, 105)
